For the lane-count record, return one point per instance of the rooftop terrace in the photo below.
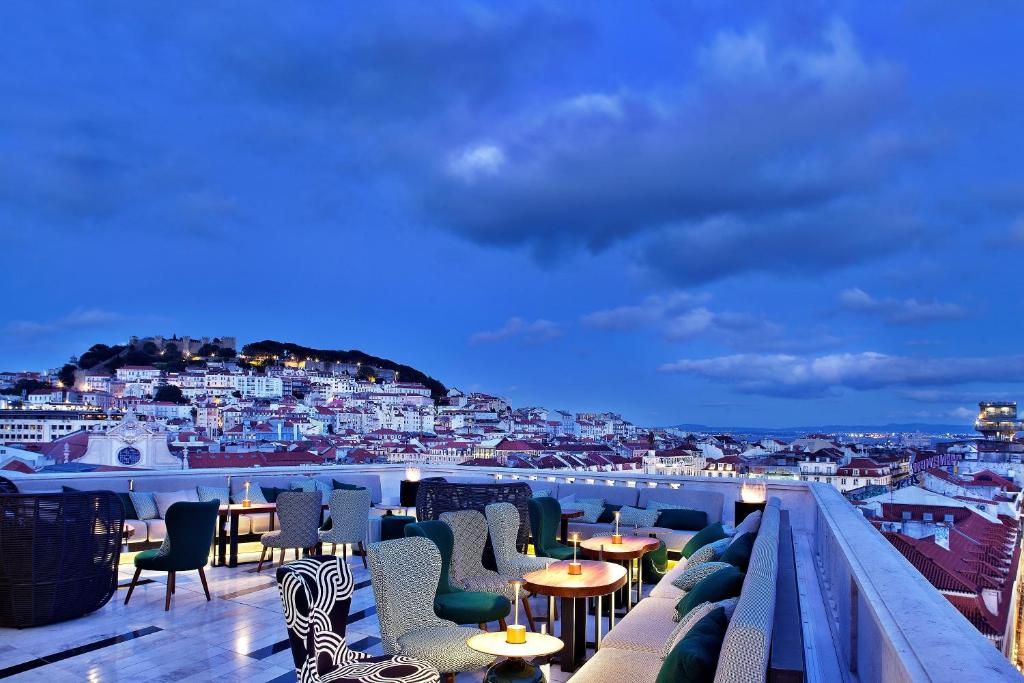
(865, 613)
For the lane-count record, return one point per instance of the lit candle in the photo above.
(616, 537)
(575, 568)
(516, 633)
(245, 500)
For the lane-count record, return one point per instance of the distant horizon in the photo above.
(707, 212)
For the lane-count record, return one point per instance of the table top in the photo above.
(630, 548)
(536, 645)
(598, 578)
(571, 513)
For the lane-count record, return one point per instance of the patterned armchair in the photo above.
(504, 523)
(317, 594)
(350, 520)
(405, 573)
(299, 514)
(467, 571)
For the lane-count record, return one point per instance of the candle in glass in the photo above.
(516, 633)
(575, 568)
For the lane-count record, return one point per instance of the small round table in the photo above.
(567, 514)
(596, 580)
(632, 548)
(515, 668)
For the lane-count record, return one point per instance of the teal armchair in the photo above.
(450, 602)
(545, 516)
(186, 546)
(655, 564)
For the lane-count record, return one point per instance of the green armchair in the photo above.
(545, 516)
(186, 546)
(450, 602)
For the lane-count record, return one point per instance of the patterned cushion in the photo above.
(145, 505)
(542, 493)
(708, 534)
(691, 575)
(302, 484)
(686, 623)
(208, 493)
(630, 516)
(709, 553)
(749, 524)
(738, 552)
(165, 499)
(591, 507)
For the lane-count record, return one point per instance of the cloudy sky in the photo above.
(716, 212)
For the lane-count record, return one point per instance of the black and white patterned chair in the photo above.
(405, 573)
(317, 593)
(299, 515)
(503, 521)
(350, 520)
(467, 571)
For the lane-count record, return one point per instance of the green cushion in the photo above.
(723, 584)
(738, 553)
(393, 526)
(345, 487)
(694, 659)
(126, 502)
(708, 534)
(442, 536)
(472, 607)
(559, 552)
(608, 516)
(682, 520)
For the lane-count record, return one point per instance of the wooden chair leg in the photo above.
(529, 615)
(206, 587)
(449, 678)
(334, 549)
(362, 551)
(135, 580)
(282, 556)
(502, 625)
(262, 555)
(344, 552)
(170, 589)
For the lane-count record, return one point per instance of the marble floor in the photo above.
(239, 635)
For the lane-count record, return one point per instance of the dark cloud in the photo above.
(537, 331)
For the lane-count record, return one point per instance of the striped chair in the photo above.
(405, 574)
(317, 593)
(350, 520)
(299, 514)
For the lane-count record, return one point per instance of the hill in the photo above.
(269, 347)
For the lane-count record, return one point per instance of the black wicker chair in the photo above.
(58, 555)
(7, 486)
(436, 497)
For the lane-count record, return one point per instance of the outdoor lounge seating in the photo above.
(350, 520)
(299, 513)
(634, 649)
(452, 602)
(504, 523)
(58, 555)
(317, 593)
(405, 573)
(185, 548)
(545, 518)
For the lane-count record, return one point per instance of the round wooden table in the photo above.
(632, 548)
(596, 580)
(514, 667)
(567, 514)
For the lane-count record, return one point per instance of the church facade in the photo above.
(131, 444)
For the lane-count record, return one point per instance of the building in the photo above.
(998, 421)
(43, 426)
(130, 444)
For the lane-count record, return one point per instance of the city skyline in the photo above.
(678, 213)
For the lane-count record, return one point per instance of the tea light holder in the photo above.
(617, 537)
(515, 633)
(575, 568)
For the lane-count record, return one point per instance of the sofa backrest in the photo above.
(711, 502)
(370, 481)
(748, 639)
(616, 495)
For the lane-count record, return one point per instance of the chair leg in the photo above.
(170, 589)
(502, 625)
(262, 555)
(449, 678)
(334, 549)
(344, 552)
(135, 580)
(362, 551)
(529, 615)
(282, 556)
(206, 587)
(483, 627)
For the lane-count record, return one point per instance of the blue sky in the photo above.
(717, 212)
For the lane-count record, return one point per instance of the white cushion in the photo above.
(165, 499)
(750, 524)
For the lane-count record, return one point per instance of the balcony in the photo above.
(865, 613)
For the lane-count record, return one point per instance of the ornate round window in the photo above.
(129, 456)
